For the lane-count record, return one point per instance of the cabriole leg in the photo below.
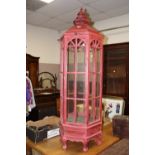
(64, 142)
(85, 146)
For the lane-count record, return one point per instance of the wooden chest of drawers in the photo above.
(46, 105)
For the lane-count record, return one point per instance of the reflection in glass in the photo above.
(90, 111)
(91, 59)
(90, 85)
(97, 109)
(98, 84)
(80, 86)
(80, 111)
(71, 56)
(81, 58)
(70, 110)
(70, 85)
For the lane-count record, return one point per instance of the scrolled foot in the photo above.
(85, 149)
(64, 141)
(64, 146)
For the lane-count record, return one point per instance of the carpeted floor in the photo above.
(119, 148)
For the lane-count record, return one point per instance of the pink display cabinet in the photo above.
(81, 83)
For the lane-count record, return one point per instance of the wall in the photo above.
(114, 36)
(43, 43)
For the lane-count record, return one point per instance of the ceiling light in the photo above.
(47, 1)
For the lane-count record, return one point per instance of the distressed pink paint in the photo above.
(81, 105)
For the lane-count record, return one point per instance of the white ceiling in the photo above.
(59, 15)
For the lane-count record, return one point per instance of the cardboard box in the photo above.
(42, 129)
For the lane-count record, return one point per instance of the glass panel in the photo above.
(98, 60)
(80, 86)
(71, 56)
(90, 85)
(98, 85)
(70, 110)
(90, 110)
(80, 111)
(81, 58)
(97, 109)
(91, 60)
(70, 85)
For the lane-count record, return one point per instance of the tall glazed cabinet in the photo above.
(81, 83)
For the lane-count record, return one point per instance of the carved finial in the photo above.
(82, 18)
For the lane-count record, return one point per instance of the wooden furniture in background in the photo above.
(116, 72)
(58, 106)
(121, 126)
(54, 146)
(46, 105)
(45, 98)
(32, 66)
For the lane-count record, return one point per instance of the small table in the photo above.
(53, 146)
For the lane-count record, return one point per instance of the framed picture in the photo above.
(112, 106)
